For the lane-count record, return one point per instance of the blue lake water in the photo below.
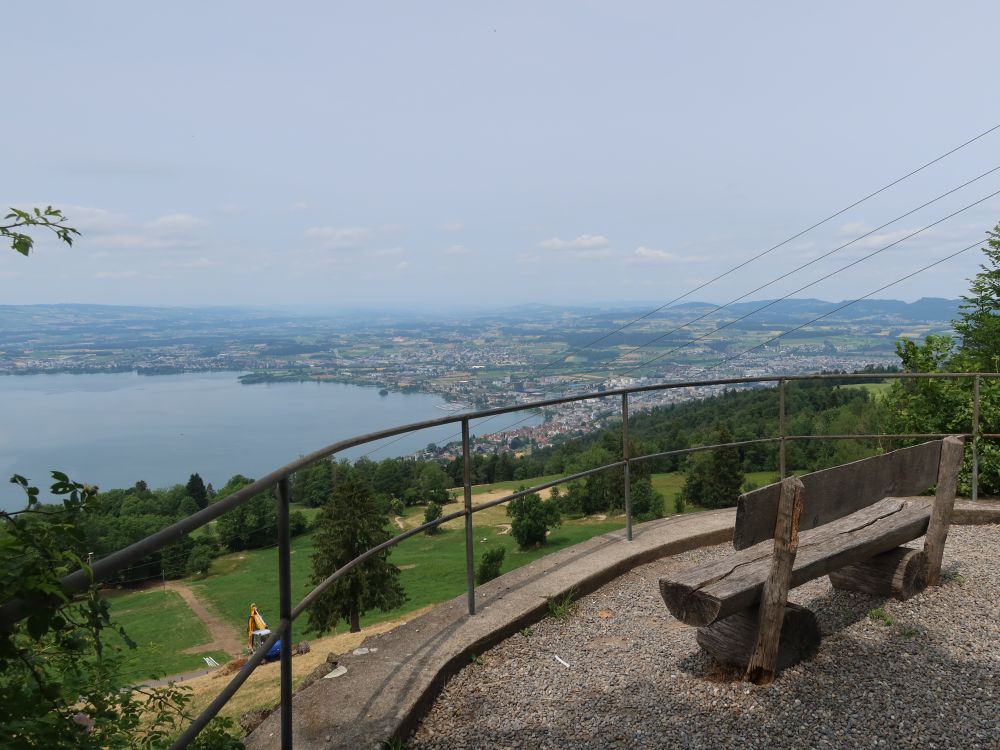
(114, 429)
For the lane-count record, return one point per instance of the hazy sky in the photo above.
(432, 154)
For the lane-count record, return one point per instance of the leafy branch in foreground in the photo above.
(45, 218)
(61, 678)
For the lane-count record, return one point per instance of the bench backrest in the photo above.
(834, 493)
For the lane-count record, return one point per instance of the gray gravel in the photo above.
(637, 678)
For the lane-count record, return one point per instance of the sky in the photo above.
(436, 155)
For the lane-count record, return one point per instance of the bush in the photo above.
(532, 519)
(489, 565)
(680, 504)
(432, 513)
(297, 523)
(396, 507)
(200, 561)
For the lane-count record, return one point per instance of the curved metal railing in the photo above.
(278, 480)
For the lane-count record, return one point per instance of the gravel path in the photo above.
(929, 678)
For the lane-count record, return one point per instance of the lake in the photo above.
(114, 429)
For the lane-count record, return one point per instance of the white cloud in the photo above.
(648, 255)
(339, 238)
(402, 265)
(456, 250)
(173, 224)
(583, 242)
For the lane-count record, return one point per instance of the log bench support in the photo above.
(899, 573)
(730, 641)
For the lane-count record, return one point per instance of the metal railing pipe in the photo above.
(975, 438)
(285, 609)
(781, 430)
(470, 580)
(626, 471)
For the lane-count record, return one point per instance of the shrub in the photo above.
(297, 523)
(532, 519)
(432, 513)
(489, 565)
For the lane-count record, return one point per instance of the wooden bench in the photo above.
(853, 519)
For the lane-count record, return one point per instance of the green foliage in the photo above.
(680, 504)
(880, 615)
(647, 503)
(489, 564)
(197, 491)
(561, 607)
(312, 485)
(47, 218)
(432, 513)
(251, 525)
(532, 518)
(350, 524)
(62, 684)
(714, 478)
(979, 326)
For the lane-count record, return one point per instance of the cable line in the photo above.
(789, 273)
(771, 249)
(802, 288)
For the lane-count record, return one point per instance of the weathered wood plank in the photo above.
(900, 573)
(730, 641)
(702, 595)
(834, 493)
(763, 663)
(944, 504)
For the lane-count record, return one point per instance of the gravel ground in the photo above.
(928, 678)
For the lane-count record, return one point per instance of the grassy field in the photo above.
(875, 390)
(162, 627)
(433, 570)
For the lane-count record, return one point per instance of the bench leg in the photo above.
(899, 573)
(731, 640)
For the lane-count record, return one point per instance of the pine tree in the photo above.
(350, 524)
(979, 327)
(195, 489)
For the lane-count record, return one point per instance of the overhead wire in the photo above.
(771, 249)
(774, 302)
(795, 270)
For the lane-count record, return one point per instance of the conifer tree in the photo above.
(979, 326)
(350, 524)
(195, 489)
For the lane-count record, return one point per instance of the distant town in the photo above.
(478, 360)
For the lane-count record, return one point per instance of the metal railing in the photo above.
(278, 480)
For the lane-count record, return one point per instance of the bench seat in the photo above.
(702, 595)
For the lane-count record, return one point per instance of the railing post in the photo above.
(470, 580)
(625, 458)
(285, 611)
(781, 429)
(975, 438)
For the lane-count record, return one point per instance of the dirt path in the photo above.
(223, 638)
